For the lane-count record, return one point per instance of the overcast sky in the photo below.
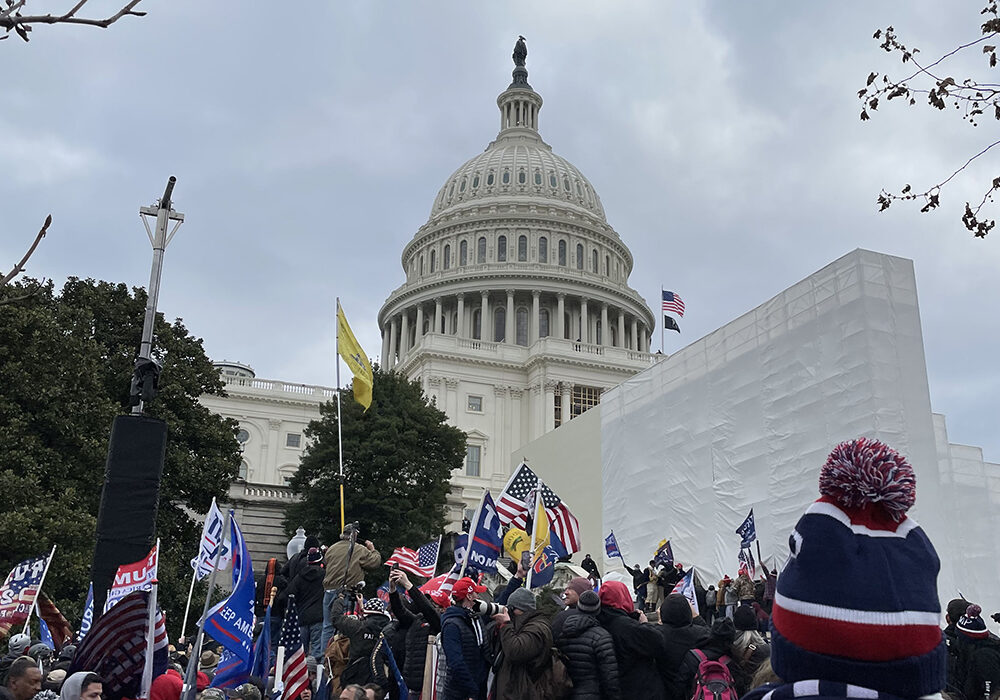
(309, 141)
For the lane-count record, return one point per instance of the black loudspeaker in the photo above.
(126, 523)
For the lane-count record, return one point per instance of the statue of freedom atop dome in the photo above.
(520, 51)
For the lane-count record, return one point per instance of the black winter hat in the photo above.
(745, 619)
(589, 603)
(675, 611)
(724, 630)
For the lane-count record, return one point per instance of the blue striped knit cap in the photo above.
(857, 601)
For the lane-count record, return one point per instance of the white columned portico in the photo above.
(461, 316)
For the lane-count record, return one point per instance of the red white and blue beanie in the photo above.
(971, 623)
(857, 601)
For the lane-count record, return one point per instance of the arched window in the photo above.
(562, 253)
(593, 260)
(579, 256)
(427, 326)
(446, 260)
(565, 183)
(463, 252)
(521, 326)
(506, 177)
(244, 470)
(553, 183)
(499, 324)
(543, 249)
(481, 250)
(490, 179)
(443, 320)
(521, 177)
(502, 249)
(461, 188)
(538, 177)
(477, 324)
(543, 323)
(433, 260)
(475, 181)
(522, 248)
(421, 264)
(607, 266)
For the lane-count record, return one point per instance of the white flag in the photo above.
(211, 536)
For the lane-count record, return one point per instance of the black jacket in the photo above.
(307, 587)
(677, 642)
(467, 667)
(590, 657)
(640, 579)
(363, 634)
(417, 625)
(639, 651)
(713, 649)
(978, 662)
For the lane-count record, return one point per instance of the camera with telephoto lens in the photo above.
(484, 609)
(352, 593)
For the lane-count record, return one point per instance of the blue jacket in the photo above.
(467, 668)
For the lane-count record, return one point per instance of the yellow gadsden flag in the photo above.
(349, 348)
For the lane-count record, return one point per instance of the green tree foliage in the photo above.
(65, 364)
(398, 458)
(930, 82)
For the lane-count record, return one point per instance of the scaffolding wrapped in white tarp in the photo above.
(745, 417)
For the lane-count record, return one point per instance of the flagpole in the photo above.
(340, 438)
(472, 531)
(187, 608)
(39, 589)
(187, 693)
(663, 326)
(438, 557)
(534, 528)
(147, 667)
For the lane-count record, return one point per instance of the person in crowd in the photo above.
(716, 647)
(749, 649)
(212, 694)
(638, 646)
(418, 623)
(593, 573)
(251, 690)
(654, 587)
(462, 639)
(978, 665)
(24, 679)
(65, 658)
(363, 633)
(307, 587)
(953, 613)
(681, 633)
(856, 561)
(208, 662)
(341, 573)
(765, 674)
(17, 647)
(83, 685)
(744, 589)
(770, 585)
(168, 685)
(589, 651)
(763, 619)
(722, 587)
(374, 692)
(708, 612)
(300, 560)
(353, 692)
(525, 644)
(575, 587)
(42, 656)
(730, 598)
(640, 579)
(53, 680)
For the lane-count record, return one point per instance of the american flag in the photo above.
(672, 303)
(17, 596)
(115, 647)
(421, 562)
(515, 504)
(295, 675)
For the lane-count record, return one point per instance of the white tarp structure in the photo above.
(745, 417)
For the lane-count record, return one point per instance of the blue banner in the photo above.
(231, 621)
(45, 636)
(664, 555)
(747, 531)
(461, 545)
(88, 615)
(262, 649)
(486, 538)
(544, 568)
(611, 547)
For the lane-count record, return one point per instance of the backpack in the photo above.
(554, 681)
(713, 681)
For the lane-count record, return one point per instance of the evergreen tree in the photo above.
(398, 459)
(65, 364)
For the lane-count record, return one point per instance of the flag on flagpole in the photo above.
(747, 563)
(59, 629)
(421, 562)
(486, 538)
(88, 615)
(137, 576)
(664, 554)
(514, 508)
(686, 588)
(672, 303)
(44, 635)
(261, 666)
(294, 674)
(544, 568)
(747, 531)
(211, 535)
(670, 324)
(349, 348)
(539, 531)
(230, 622)
(611, 547)
(19, 590)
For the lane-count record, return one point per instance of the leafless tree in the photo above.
(19, 267)
(12, 17)
(973, 99)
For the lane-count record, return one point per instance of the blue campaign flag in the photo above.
(611, 547)
(544, 568)
(486, 537)
(88, 615)
(262, 649)
(231, 621)
(748, 531)
(45, 635)
(557, 544)
(231, 671)
(461, 545)
(664, 554)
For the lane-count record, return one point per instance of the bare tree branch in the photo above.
(13, 300)
(20, 266)
(12, 19)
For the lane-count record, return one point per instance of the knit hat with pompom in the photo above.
(971, 623)
(857, 601)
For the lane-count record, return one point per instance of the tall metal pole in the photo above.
(163, 213)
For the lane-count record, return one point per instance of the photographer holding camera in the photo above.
(525, 643)
(462, 639)
(345, 565)
(418, 621)
(363, 634)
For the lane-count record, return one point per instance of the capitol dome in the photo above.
(516, 312)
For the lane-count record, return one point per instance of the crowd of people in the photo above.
(854, 613)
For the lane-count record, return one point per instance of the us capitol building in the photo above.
(514, 316)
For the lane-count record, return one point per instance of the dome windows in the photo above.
(502, 249)
(562, 253)
(522, 177)
(553, 181)
(543, 249)
(451, 190)
(499, 324)
(522, 248)
(463, 253)
(433, 260)
(446, 259)
(521, 326)
(505, 178)
(538, 177)
(565, 184)
(461, 188)
(481, 250)
(543, 323)
(579, 256)
(475, 181)
(490, 179)
(593, 261)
